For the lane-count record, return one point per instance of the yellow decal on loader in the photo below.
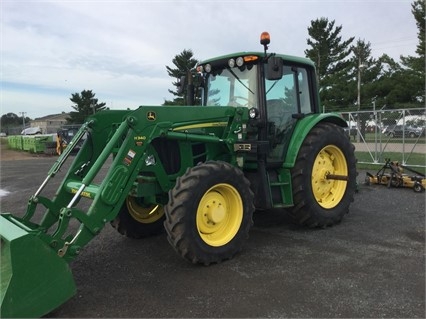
(83, 193)
(192, 126)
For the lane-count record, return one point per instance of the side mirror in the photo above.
(274, 68)
(199, 80)
(181, 84)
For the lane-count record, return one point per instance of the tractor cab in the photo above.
(277, 89)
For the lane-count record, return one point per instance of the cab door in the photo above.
(287, 100)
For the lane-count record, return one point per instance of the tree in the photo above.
(364, 72)
(330, 54)
(11, 120)
(403, 85)
(185, 66)
(394, 87)
(415, 66)
(85, 105)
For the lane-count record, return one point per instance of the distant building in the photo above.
(51, 123)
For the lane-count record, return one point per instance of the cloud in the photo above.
(119, 49)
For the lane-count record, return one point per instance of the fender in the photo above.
(302, 129)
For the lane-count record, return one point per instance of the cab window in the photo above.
(232, 87)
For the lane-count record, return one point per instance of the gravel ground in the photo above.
(371, 265)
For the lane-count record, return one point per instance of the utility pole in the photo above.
(358, 100)
(23, 121)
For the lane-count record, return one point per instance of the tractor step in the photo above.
(280, 189)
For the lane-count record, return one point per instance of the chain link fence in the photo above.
(398, 135)
(378, 135)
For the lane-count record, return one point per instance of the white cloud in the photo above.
(119, 49)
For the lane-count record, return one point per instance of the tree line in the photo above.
(349, 78)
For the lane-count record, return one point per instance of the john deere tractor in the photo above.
(252, 138)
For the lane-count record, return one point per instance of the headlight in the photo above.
(150, 160)
(253, 113)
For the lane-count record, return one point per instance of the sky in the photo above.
(120, 49)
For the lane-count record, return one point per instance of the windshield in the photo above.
(232, 87)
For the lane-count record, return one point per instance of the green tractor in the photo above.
(251, 138)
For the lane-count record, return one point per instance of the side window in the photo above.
(284, 96)
(281, 98)
(304, 93)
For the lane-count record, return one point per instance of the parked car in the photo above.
(407, 131)
(31, 131)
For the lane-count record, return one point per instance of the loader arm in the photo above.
(127, 143)
(124, 138)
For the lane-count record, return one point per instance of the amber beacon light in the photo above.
(265, 39)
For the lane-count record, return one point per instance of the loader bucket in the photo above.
(34, 279)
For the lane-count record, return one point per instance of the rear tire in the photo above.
(321, 202)
(209, 213)
(136, 220)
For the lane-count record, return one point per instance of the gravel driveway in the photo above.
(370, 265)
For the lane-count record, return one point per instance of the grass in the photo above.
(417, 161)
(369, 138)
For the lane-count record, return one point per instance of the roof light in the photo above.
(249, 58)
(265, 38)
(240, 61)
(231, 63)
(208, 68)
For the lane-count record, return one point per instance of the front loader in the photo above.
(251, 138)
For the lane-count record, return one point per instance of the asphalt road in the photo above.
(371, 265)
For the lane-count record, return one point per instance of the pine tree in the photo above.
(364, 71)
(185, 66)
(330, 54)
(415, 66)
(85, 105)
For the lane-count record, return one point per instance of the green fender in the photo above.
(302, 129)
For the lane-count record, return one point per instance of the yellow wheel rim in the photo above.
(143, 214)
(328, 192)
(219, 215)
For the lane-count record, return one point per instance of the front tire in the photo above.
(138, 220)
(319, 201)
(209, 213)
